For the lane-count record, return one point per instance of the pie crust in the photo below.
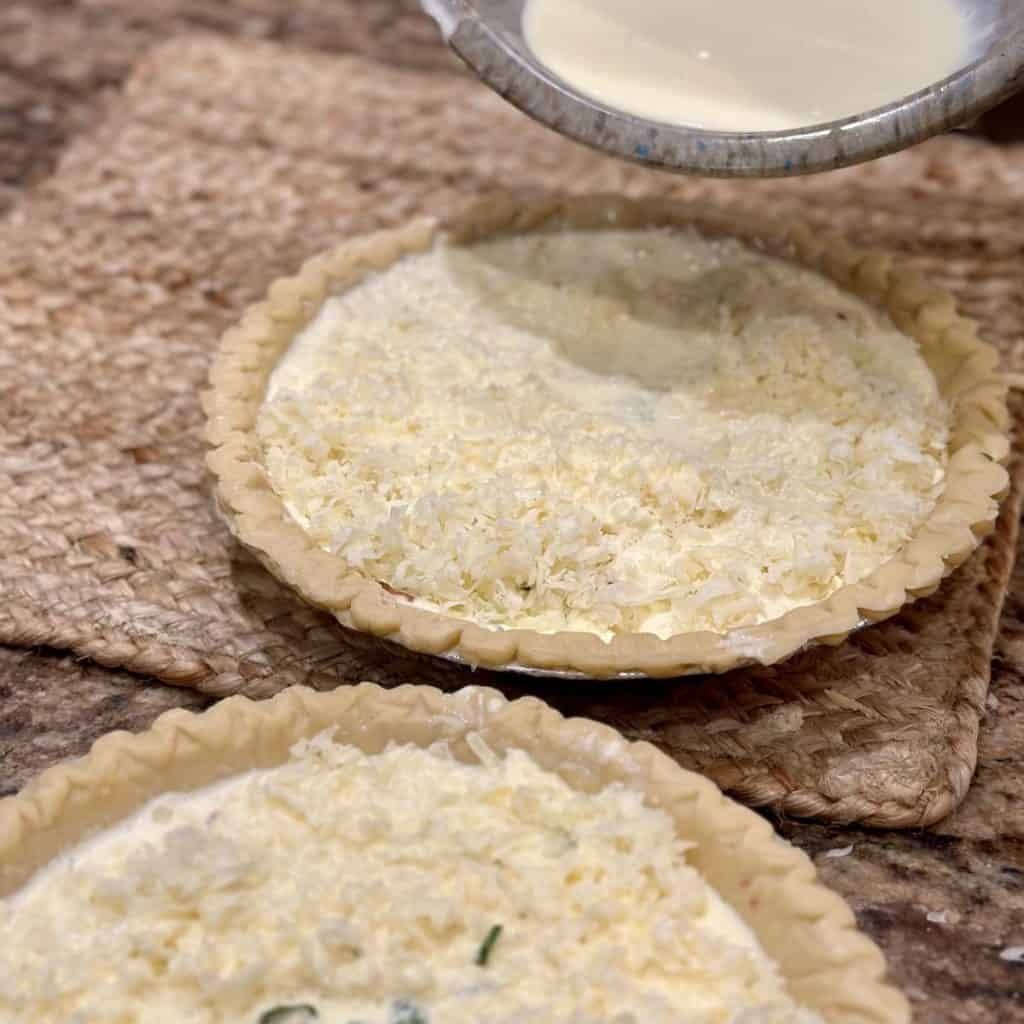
(807, 929)
(965, 368)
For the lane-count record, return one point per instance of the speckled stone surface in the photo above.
(58, 60)
(53, 706)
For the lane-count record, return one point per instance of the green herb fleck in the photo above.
(300, 1013)
(404, 1012)
(483, 954)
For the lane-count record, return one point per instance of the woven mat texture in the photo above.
(223, 167)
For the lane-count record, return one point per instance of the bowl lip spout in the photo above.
(508, 70)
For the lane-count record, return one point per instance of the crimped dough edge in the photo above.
(829, 966)
(964, 366)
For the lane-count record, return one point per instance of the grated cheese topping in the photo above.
(614, 431)
(398, 888)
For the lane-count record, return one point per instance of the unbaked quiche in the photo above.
(408, 857)
(607, 436)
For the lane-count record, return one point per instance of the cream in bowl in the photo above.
(746, 65)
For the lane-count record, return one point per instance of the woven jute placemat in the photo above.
(223, 167)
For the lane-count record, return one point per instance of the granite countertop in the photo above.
(943, 903)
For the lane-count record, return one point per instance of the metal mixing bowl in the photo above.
(488, 36)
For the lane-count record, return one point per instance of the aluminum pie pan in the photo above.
(563, 675)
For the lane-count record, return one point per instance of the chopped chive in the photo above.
(484, 952)
(300, 1013)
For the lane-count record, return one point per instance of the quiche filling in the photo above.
(611, 432)
(396, 888)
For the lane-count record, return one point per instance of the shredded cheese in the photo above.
(398, 888)
(616, 431)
